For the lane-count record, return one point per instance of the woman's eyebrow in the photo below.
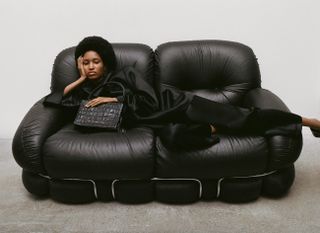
(92, 59)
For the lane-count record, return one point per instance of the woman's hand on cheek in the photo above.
(101, 100)
(81, 68)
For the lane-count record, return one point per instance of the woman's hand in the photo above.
(101, 100)
(81, 68)
(80, 80)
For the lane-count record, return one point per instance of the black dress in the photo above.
(181, 118)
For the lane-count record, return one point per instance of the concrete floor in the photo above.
(299, 211)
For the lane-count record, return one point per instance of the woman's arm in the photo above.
(76, 83)
(73, 85)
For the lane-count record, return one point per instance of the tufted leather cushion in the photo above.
(234, 155)
(99, 155)
(219, 70)
(222, 71)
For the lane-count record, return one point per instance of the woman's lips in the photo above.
(92, 73)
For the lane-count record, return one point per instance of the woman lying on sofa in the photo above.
(183, 119)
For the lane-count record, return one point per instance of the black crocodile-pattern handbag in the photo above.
(106, 116)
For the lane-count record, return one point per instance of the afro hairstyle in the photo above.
(99, 45)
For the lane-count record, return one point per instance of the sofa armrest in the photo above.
(283, 150)
(39, 123)
(264, 99)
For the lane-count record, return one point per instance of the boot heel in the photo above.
(315, 132)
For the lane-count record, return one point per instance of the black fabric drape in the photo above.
(181, 119)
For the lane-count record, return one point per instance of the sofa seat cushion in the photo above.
(234, 155)
(70, 153)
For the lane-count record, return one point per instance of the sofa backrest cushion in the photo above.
(139, 56)
(222, 71)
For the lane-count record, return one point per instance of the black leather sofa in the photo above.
(136, 167)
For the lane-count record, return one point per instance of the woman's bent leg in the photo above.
(233, 119)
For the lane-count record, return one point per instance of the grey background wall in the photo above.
(284, 35)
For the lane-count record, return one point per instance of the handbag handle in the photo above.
(106, 84)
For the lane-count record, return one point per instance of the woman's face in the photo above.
(93, 65)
